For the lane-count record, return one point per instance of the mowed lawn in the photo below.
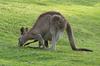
(83, 15)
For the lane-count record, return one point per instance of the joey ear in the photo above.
(22, 30)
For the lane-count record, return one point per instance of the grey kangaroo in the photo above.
(48, 27)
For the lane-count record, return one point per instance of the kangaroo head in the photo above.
(22, 39)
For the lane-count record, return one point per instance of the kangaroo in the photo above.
(48, 27)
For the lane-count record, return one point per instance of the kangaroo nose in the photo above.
(20, 44)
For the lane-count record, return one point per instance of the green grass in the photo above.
(83, 15)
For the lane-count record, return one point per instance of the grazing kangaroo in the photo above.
(48, 27)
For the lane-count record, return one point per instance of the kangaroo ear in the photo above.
(22, 30)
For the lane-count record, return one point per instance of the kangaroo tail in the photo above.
(72, 41)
